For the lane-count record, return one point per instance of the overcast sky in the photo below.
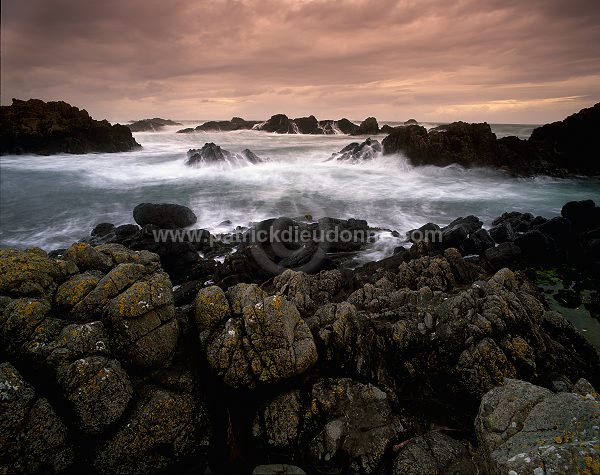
(526, 61)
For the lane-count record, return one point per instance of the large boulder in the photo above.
(164, 215)
(335, 423)
(252, 339)
(34, 439)
(523, 428)
(150, 125)
(48, 128)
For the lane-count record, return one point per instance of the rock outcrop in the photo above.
(562, 148)
(369, 126)
(49, 128)
(237, 123)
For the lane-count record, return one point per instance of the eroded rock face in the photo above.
(334, 423)
(48, 128)
(34, 439)
(252, 339)
(528, 429)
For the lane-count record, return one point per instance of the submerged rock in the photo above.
(49, 128)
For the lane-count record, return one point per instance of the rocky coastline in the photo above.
(157, 347)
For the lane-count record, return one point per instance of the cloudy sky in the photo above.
(526, 61)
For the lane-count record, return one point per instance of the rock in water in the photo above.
(151, 125)
(236, 123)
(358, 152)
(48, 128)
(369, 126)
(524, 428)
(212, 154)
(164, 215)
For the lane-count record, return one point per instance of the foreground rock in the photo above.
(524, 428)
(358, 152)
(164, 215)
(150, 125)
(250, 338)
(561, 148)
(212, 154)
(48, 128)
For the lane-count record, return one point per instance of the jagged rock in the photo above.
(334, 423)
(256, 340)
(524, 428)
(279, 123)
(503, 232)
(48, 128)
(503, 255)
(34, 439)
(164, 215)
(213, 154)
(358, 152)
(166, 426)
(477, 243)
(150, 125)
(434, 453)
(237, 123)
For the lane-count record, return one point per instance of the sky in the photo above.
(526, 61)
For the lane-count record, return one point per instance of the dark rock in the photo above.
(582, 214)
(279, 123)
(535, 245)
(164, 215)
(429, 232)
(103, 229)
(568, 298)
(308, 125)
(150, 125)
(48, 128)
(411, 122)
(570, 144)
(503, 232)
(346, 127)
(477, 243)
(387, 129)
(411, 141)
(213, 154)
(503, 255)
(236, 123)
(126, 231)
(369, 126)
(358, 152)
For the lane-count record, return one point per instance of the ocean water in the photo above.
(53, 201)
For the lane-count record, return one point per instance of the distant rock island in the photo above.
(47, 128)
(237, 123)
(151, 125)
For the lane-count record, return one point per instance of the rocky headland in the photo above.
(128, 353)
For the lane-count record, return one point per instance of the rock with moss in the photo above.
(523, 428)
(250, 338)
(167, 426)
(333, 423)
(34, 439)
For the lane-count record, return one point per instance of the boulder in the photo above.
(358, 152)
(49, 128)
(503, 255)
(523, 428)
(278, 123)
(151, 125)
(164, 215)
(412, 141)
(257, 341)
(346, 127)
(237, 123)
